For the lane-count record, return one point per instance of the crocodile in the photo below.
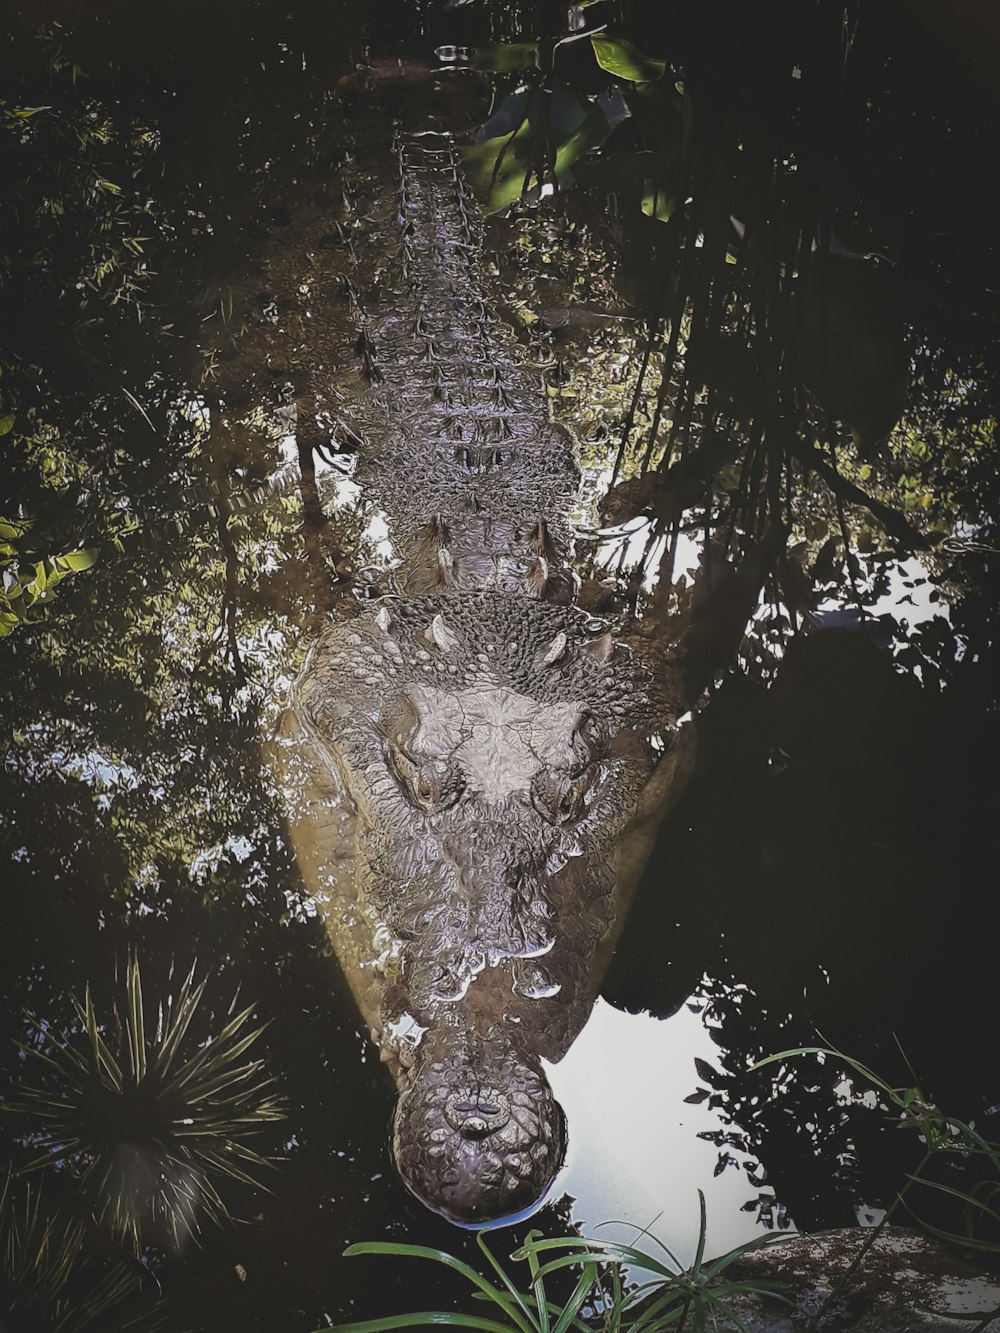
(473, 764)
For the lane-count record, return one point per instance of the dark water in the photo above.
(189, 197)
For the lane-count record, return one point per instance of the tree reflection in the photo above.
(175, 181)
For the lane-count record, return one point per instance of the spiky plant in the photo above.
(685, 1300)
(152, 1126)
(48, 1283)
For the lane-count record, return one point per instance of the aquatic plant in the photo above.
(674, 1297)
(48, 1284)
(944, 1138)
(149, 1129)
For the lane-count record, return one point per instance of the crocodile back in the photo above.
(474, 477)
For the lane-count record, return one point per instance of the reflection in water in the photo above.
(149, 1132)
(825, 870)
(638, 1142)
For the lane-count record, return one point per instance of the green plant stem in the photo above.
(684, 1312)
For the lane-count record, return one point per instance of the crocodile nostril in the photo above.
(476, 1117)
(480, 1107)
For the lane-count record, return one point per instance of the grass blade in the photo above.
(501, 1273)
(403, 1250)
(585, 1284)
(426, 1319)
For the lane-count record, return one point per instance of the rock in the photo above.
(907, 1283)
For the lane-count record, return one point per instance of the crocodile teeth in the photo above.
(538, 575)
(441, 635)
(555, 650)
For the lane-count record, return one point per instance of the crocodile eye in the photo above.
(560, 797)
(586, 744)
(431, 784)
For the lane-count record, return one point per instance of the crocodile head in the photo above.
(485, 758)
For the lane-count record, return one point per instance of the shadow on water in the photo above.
(181, 370)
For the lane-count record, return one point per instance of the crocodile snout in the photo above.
(469, 1150)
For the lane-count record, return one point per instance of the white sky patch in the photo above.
(346, 493)
(377, 533)
(634, 535)
(911, 603)
(104, 774)
(910, 584)
(288, 451)
(634, 1154)
(236, 848)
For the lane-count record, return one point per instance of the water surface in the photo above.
(181, 365)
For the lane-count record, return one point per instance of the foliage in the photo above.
(621, 57)
(532, 145)
(772, 324)
(22, 591)
(148, 1128)
(48, 1284)
(943, 1136)
(126, 203)
(603, 1296)
(542, 132)
(945, 1139)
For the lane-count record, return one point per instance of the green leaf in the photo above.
(658, 200)
(831, 1051)
(438, 1256)
(537, 1281)
(500, 1272)
(77, 560)
(969, 1200)
(497, 168)
(6, 422)
(37, 582)
(660, 119)
(702, 1232)
(504, 58)
(957, 1238)
(621, 58)
(720, 1264)
(581, 1247)
(585, 1282)
(592, 132)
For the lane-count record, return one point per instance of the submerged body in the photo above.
(470, 764)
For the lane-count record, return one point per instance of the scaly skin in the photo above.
(468, 763)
